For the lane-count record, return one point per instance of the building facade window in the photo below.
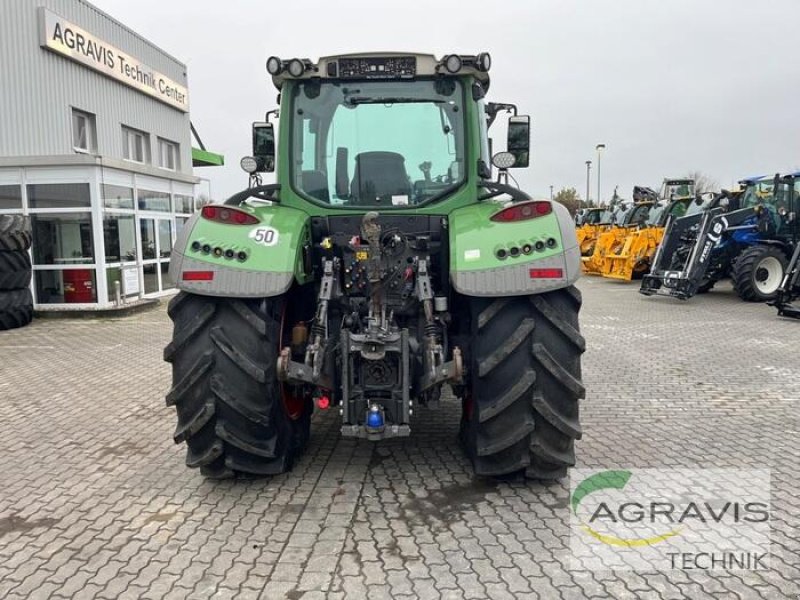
(167, 154)
(84, 131)
(135, 145)
(59, 195)
(67, 286)
(62, 238)
(10, 197)
(119, 233)
(116, 196)
(149, 200)
(183, 204)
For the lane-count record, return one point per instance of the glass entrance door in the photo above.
(157, 236)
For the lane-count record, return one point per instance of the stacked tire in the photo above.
(16, 302)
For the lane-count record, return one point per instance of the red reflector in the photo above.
(546, 273)
(323, 402)
(198, 275)
(522, 211)
(228, 215)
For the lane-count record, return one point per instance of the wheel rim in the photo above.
(293, 404)
(768, 275)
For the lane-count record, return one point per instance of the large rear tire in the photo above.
(758, 272)
(521, 409)
(231, 408)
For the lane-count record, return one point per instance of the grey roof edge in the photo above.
(69, 160)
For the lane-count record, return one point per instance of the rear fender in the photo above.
(275, 253)
(476, 270)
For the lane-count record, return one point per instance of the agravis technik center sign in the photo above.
(67, 39)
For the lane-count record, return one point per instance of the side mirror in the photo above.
(264, 146)
(519, 139)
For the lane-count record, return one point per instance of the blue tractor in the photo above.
(748, 236)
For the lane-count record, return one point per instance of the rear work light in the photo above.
(230, 216)
(546, 273)
(198, 275)
(522, 211)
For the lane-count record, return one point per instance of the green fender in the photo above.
(267, 257)
(540, 254)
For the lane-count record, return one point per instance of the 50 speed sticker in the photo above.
(266, 236)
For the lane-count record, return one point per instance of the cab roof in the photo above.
(384, 66)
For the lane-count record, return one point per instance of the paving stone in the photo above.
(713, 382)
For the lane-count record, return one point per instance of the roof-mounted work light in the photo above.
(296, 67)
(453, 63)
(274, 65)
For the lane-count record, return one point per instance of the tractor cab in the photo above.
(674, 189)
(383, 131)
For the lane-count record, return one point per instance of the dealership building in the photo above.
(96, 148)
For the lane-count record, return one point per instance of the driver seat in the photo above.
(379, 174)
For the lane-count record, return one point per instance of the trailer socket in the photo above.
(539, 246)
(502, 254)
(551, 242)
(514, 251)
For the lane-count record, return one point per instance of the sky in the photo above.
(669, 86)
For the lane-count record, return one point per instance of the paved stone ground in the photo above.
(95, 500)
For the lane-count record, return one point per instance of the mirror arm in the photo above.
(495, 189)
(262, 192)
(492, 108)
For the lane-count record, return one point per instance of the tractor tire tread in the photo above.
(225, 390)
(15, 233)
(742, 272)
(526, 384)
(15, 270)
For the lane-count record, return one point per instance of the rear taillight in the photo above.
(546, 273)
(225, 214)
(198, 275)
(523, 211)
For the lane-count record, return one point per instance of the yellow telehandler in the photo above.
(630, 254)
(627, 219)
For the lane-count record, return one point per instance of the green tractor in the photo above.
(385, 265)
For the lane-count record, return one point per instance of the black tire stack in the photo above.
(16, 302)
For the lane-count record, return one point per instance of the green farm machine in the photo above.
(385, 266)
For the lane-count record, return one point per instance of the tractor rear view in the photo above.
(384, 267)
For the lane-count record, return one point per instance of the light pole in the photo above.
(588, 171)
(551, 193)
(599, 148)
